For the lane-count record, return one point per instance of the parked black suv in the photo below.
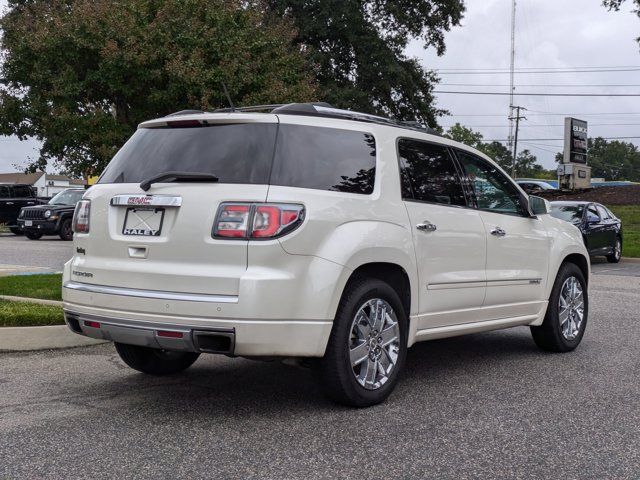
(53, 218)
(12, 199)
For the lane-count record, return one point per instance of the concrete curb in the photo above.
(41, 301)
(24, 339)
(630, 260)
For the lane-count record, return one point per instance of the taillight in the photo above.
(257, 220)
(232, 220)
(81, 216)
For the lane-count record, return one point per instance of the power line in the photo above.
(556, 139)
(543, 126)
(541, 114)
(540, 68)
(571, 85)
(536, 94)
(532, 71)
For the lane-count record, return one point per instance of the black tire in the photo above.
(16, 231)
(335, 370)
(154, 361)
(616, 255)
(66, 232)
(33, 235)
(549, 336)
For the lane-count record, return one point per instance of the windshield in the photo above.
(568, 213)
(235, 153)
(67, 197)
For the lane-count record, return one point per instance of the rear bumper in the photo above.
(284, 338)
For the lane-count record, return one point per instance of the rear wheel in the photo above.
(154, 361)
(368, 345)
(66, 232)
(33, 235)
(566, 318)
(16, 231)
(616, 255)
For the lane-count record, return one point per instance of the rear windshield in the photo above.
(568, 213)
(305, 157)
(239, 153)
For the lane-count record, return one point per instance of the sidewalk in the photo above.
(6, 270)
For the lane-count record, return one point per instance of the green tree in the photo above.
(498, 152)
(81, 74)
(527, 165)
(613, 160)
(359, 46)
(464, 135)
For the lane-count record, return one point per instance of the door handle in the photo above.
(498, 232)
(427, 226)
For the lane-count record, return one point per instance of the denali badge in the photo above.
(78, 273)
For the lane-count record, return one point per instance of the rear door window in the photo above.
(5, 191)
(22, 191)
(325, 159)
(428, 173)
(235, 153)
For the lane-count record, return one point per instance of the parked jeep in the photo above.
(12, 199)
(314, 233)
(53, 218)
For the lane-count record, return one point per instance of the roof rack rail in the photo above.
(184, 112)
(321, 109)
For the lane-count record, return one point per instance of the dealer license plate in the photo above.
(146, 222)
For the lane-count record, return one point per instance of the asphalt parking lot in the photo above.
(482, 406)
(19, 253)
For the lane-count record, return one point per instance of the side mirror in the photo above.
(538, 205)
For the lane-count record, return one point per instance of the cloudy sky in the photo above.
(559, 35)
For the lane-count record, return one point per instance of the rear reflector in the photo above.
(89, 323)
(169, 334)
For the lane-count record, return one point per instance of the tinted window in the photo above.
(428, 173)
(22, 191)
(5, 191)
(568, 213)
(493, 190)
(592, 214)
(324, 159)
(238, 153)
(603, 212)
(67, 197)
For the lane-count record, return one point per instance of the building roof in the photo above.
(31, 178)
(24, 178)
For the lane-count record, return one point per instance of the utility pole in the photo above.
(511, 72)
(517, 118)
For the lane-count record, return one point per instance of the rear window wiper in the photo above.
(178, 176)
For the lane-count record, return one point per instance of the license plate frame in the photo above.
(144, 226)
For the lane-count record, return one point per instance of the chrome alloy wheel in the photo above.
(617, 252)
(374, 343)
(571, 308)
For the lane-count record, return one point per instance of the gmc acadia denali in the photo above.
(304, 231)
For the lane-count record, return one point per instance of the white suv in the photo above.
(312, 232)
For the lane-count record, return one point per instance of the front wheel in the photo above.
(567, 312)
(33, 235)
(66, 231)
(154, 361)
(368, 345)
(616, 255)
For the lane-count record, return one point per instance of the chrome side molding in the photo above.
(147, 200)
(134, 292)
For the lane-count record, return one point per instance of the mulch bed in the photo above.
(625, 195)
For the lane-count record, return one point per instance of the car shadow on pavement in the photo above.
(217, 386)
